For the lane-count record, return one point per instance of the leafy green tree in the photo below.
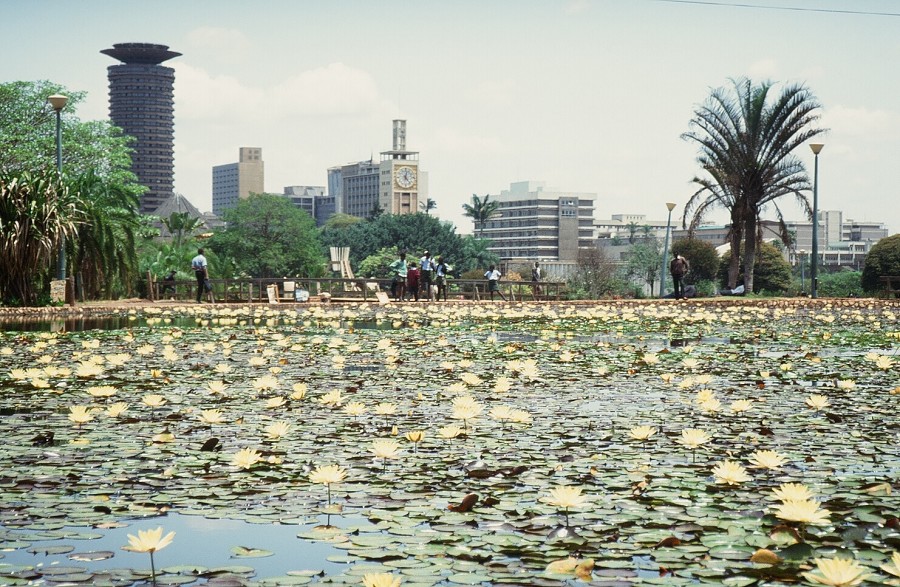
(181, 226)
(632, 228)
(36, 211)
(644, 262)
(413, 233)
(480, 211)
(340, 221)
(377, 264)
(773, 273)
(267, 236)
(840, 284)
(746, 139)
(702, 256)
(99, 185)
(595, 276)
(883, 260)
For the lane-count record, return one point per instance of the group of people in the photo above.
(425, 279)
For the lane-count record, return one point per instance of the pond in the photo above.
(496, 443)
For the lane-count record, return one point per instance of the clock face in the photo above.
(405, 177)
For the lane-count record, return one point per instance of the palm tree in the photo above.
(428, 205)
(180, 225)
(480, 211)
(632, 228)
(746, 142)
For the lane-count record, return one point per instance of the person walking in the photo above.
(426, 274)
(440, 276)
(536, 280)
(201, 272)
(398, 277)
(493, 276)
(678, 269)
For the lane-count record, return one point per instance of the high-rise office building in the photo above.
(234, 181)
(141, 103)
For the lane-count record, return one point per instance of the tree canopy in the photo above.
(701, 255)
(267, 236)
(481, 210)
(746, 135)
(883, 260)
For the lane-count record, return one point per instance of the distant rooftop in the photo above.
(143, 53)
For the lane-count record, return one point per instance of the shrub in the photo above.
(771, 273)
(882, 260)
(839, 285)
(701, 255)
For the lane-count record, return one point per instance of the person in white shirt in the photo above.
(493, 276)
(201, 272)
(426, 271)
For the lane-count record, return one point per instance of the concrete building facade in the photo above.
(305, 197)
(235, 181)
(535, 223)
(141, 103)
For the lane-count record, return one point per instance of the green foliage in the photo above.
(841, 284)
(413, 233)
(644, 262)
(772, 272)
(340, 221)
(481, 210)
(702, 257)
(595, 277)
(376, 265)
(180, 226)
(883, 260)
(267, 236)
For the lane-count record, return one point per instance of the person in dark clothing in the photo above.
(169, 283)
(201, 272)
(678, 268)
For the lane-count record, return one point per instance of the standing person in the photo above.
(535, 280)
(201, 272)
(678, 268)
(440, 272)
(412, 280)
(426, 273)
(493, 276)
(398, 277)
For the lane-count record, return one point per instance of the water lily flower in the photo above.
(415, 437)
(767, 459)
(149, 541)
(501, 413)
(704, 395)
(332, 398)
(211, 416)
(793, 492)
(328, 475)
(741, 405)
(147, 349)
(256, 361)
(893, 567)
(117, 409)
(520, 417)
(581, 568)
(502, 385)
(566, 357)
(817, 402)
(650, 358)
(216, 387)
(666, 377)
(730, 473)
(381, 580)
(222, 368)
(355, 409)
(471, 379)
(277, 430)
(846, 384)
(449, 432)
(711, 406)
(385, 448)
(565, 496)
(275, 402)
(299, 391)
(883, 362)
(838, 572)
(704, 379)
(80, 415)
(87, 369)
(458, 387)
(246, 458)
(385, 409)
(694, 437)
(804, 512)
(265, 382)
(163, 437)
(690, 363)
(642, 432)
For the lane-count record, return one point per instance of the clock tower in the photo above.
(399, 184)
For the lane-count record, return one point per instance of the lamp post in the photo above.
(665, 259)
(58, 102)
(816, 149)
(802, 271)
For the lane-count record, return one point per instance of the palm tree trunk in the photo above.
(749, 251)
(734, 262)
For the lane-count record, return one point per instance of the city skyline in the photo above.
(587, 96)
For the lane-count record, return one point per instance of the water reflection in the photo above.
(198, 541)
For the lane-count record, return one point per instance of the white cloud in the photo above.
(332, 90)
(218, 39)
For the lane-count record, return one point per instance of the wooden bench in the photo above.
(890, 285)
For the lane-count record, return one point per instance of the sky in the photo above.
(585, 95)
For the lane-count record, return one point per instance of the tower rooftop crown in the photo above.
(145, 53)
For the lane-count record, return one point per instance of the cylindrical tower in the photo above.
(141, 103)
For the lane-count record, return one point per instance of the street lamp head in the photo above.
(670, 206)
(816, 147)
(58, 101)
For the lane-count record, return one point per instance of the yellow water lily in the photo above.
(355, 409)
(211, 416)
(266, 382)
(299, 391)
(415, 436)
(793, 492)
(650, 358)
(694, 437)
(216, 387)
(730, 473)
(884, 362)
(502, 385)
(80, 414)
(565, 496)
(275, 402)
(642, 432)
(381, 580)
(332, 398)
(767, 459)
(471, 379)
(385, 409)
(277, 430)
(817, 402)
(581, 568)
(153, 400)
(385, 448)
(893, 567)
(117, 409)
(520, 417)
(448, 432)
(101, 391)
(246, 458)
(149, 540)
(846, 384)
(804, 512)
(87, 369)
(740, 406)
(837, 572)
